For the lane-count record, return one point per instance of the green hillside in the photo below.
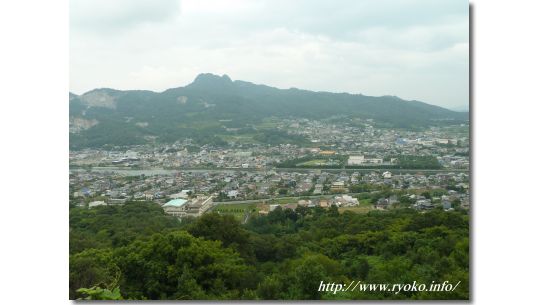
(212, 105)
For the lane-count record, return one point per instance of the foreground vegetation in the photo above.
(137, 252)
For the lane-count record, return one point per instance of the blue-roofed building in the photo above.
(175, 203)
(182, 207)
(401, 141)
(175, 207)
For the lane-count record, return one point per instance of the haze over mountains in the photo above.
(211, 104)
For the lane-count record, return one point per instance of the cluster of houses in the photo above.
(422, 203)
(115, 188)
(358, 140)
(385, 203)
(245, 171)
(339, 201)
(182, 204)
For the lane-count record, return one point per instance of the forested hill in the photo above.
(213, 103)
(138, 252)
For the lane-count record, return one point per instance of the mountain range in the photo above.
(212, 103)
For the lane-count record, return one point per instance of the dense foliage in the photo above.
(284, 255)
(114, 226)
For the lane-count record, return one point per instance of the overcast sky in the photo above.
(414, 49)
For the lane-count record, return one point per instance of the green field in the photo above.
(247, 138)
(365, 206)
(283, 200)
(268, 123)
(237, 210)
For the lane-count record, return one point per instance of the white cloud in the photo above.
(110, 15)
(421, 53)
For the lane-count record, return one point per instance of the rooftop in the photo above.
(175, 203)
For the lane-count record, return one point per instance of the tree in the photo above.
(187, 287)
(301, 210)
(98, 293)
(271, 288)
(284, 255)
(178, 265)
(333, 211)
(308, 275)
(92, 268)
(359, 269)
(225, 228)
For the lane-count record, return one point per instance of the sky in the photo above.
(413, 49)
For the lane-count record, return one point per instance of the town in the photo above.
(353, 165)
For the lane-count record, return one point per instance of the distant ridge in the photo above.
(115, 117)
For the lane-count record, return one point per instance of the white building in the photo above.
(387, 175)
(96, 204)
(175, 207)
(184, 194)
(346, 200)
(194, 207)
(355, 160)
(233, 194)
(373, 161)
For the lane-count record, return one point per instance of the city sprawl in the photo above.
(348, 162)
